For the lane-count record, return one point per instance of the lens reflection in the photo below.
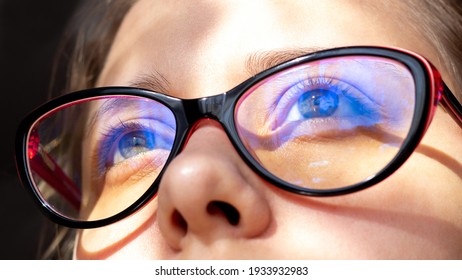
(93, 158)
(328, 124)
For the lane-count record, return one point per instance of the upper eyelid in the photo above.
(112, 106)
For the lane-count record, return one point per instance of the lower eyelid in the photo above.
(137, 168)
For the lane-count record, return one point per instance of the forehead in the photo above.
(204, 46)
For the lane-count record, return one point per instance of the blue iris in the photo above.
(318, 103)
(136, 142)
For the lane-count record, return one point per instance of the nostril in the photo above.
(226, 209)
(179, 222)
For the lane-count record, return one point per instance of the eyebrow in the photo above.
(154, 81)
(255, 63)
(260, 61)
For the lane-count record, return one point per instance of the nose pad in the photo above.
(208, 192)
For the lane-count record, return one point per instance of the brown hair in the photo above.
(79, 61)
(87, 42)
(439, 22)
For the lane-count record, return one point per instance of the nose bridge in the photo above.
(212, 106)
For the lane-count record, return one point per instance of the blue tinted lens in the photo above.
(330, 123)
(106, 160)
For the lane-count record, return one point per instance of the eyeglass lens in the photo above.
(108, 151)
(324, 124)
(331, 123)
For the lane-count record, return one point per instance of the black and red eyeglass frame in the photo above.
(430, 91)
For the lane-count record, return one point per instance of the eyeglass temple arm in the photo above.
(451, 105)
(45, 167)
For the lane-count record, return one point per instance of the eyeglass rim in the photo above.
(426, 81)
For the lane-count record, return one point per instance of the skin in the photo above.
(200, 48)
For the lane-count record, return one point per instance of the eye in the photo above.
(134, 143)
(131, 140)
(328, 104)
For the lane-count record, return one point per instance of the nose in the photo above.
(208, 193)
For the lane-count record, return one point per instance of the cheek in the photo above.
(135, 237)
(328, 163)
(415, 213)
(389, 221)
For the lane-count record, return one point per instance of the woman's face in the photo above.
(210, 204)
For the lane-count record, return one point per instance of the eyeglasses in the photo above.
(327, 123)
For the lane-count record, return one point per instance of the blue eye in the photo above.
(128, 141)
(333, 103)
(136, 142)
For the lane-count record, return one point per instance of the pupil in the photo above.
(318, 103)
(134, 141)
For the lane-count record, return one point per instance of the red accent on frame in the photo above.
(45, 167)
